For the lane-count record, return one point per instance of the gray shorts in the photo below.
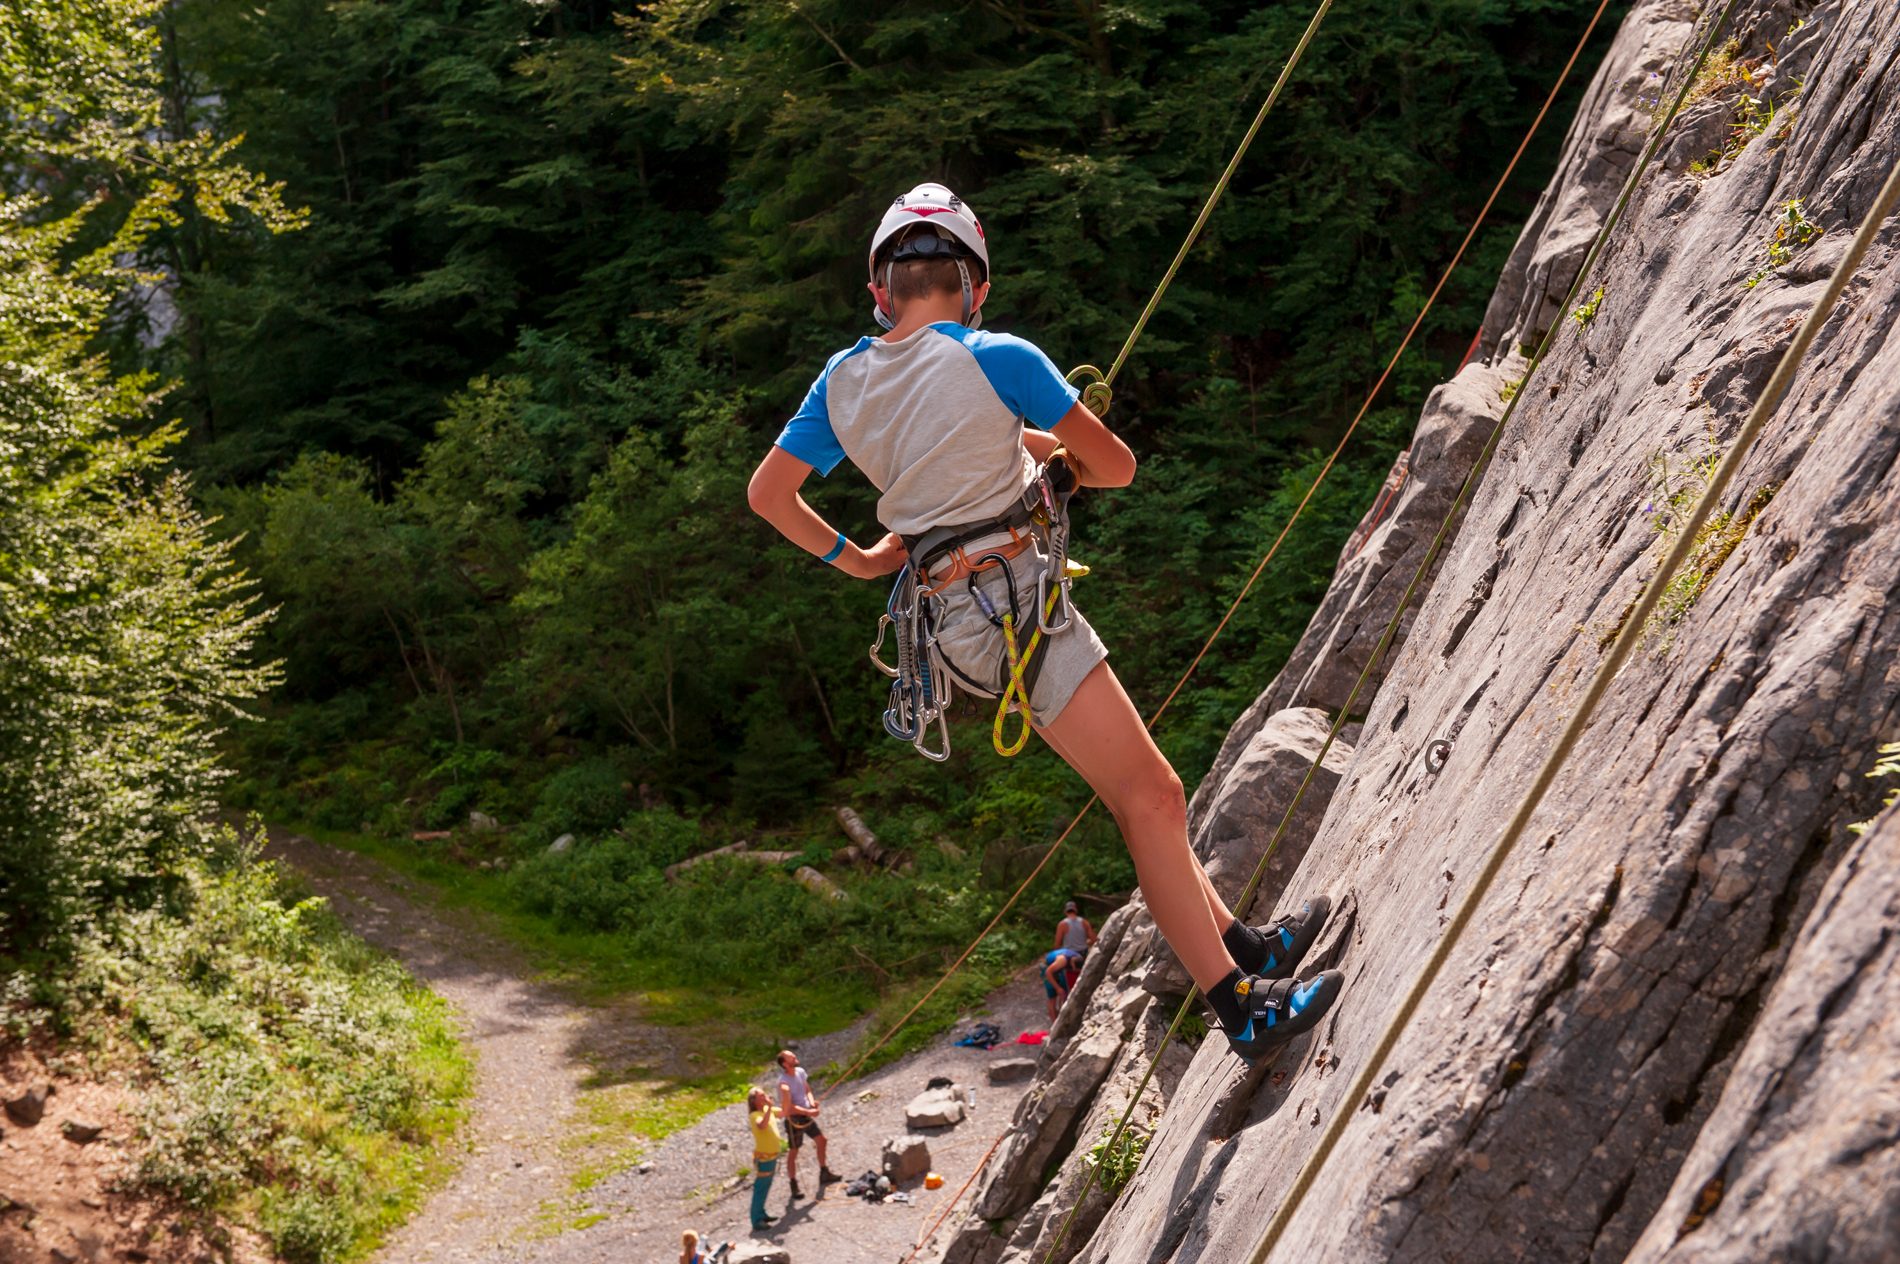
(979, 657)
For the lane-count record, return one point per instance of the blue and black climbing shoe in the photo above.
(1272, 951)
(1276, 1010)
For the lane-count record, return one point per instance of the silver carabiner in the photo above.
(943, 733)
(1045, 610)
(885, 622)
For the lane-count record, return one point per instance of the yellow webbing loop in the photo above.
(1014, 690)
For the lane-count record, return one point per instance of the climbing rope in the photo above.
(1014, 690)
(1432, 552)
(1606, 672)
(1207, 209)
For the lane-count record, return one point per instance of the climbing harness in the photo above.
(921, 689)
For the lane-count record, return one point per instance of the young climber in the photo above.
(933, 413)
(767, 1141)
(799, 1109)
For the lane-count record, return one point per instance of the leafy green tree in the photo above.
(124, 628)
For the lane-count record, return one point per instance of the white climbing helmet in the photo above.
(953, 223)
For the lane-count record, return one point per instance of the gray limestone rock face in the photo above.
(1800, 1159)
(1044, 1125)
(1068, 1217)
(1340, 638)
(1613, 1034)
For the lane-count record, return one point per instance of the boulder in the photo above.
(759, 1253)
(934, 1108)
(562, 844)
(482, 823)
(80, 1132)
(906, 1157)
(1012, 1070)
(28, 1108)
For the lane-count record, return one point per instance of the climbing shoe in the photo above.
(1272, 951)
(1276, 1010)
(828, 1177)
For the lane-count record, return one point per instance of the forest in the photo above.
(382, 377)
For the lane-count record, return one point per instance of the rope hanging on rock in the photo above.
(1437, 544)
(1606, 672)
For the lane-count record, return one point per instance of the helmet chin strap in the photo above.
(971, 317)
(887, 320)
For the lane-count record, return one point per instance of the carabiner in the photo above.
(983, 601)
(942, 753)
(884, 621)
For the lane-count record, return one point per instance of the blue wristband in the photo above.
(836, 549)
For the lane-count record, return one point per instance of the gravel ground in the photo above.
(693, 1182)
(534, 1052)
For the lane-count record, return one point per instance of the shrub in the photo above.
(294, 1077)
(584, 798)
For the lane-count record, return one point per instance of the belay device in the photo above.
(921, 689)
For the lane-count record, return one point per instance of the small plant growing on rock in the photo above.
(1793, 233)
(1508, 391)
(1587, 311)
(1888, 765)
(1118, 1164)
(1675, 490)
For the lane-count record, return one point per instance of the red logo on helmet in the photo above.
(930, 210)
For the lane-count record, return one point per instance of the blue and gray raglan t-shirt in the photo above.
(934, 420)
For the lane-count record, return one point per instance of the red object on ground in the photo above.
(1032, 1037)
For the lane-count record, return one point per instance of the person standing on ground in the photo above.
(767, 1142)
(800, 1111)
(1074, 938)
(959, 428)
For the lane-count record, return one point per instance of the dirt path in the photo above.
(514, 1200)
(527, 1073)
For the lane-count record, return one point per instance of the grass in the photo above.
(594, 966)
(1793, 232)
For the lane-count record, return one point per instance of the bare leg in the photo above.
(823, 1166)
(1102, 737)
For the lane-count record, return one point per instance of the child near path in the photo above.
(933, 413)
(767, 1142)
